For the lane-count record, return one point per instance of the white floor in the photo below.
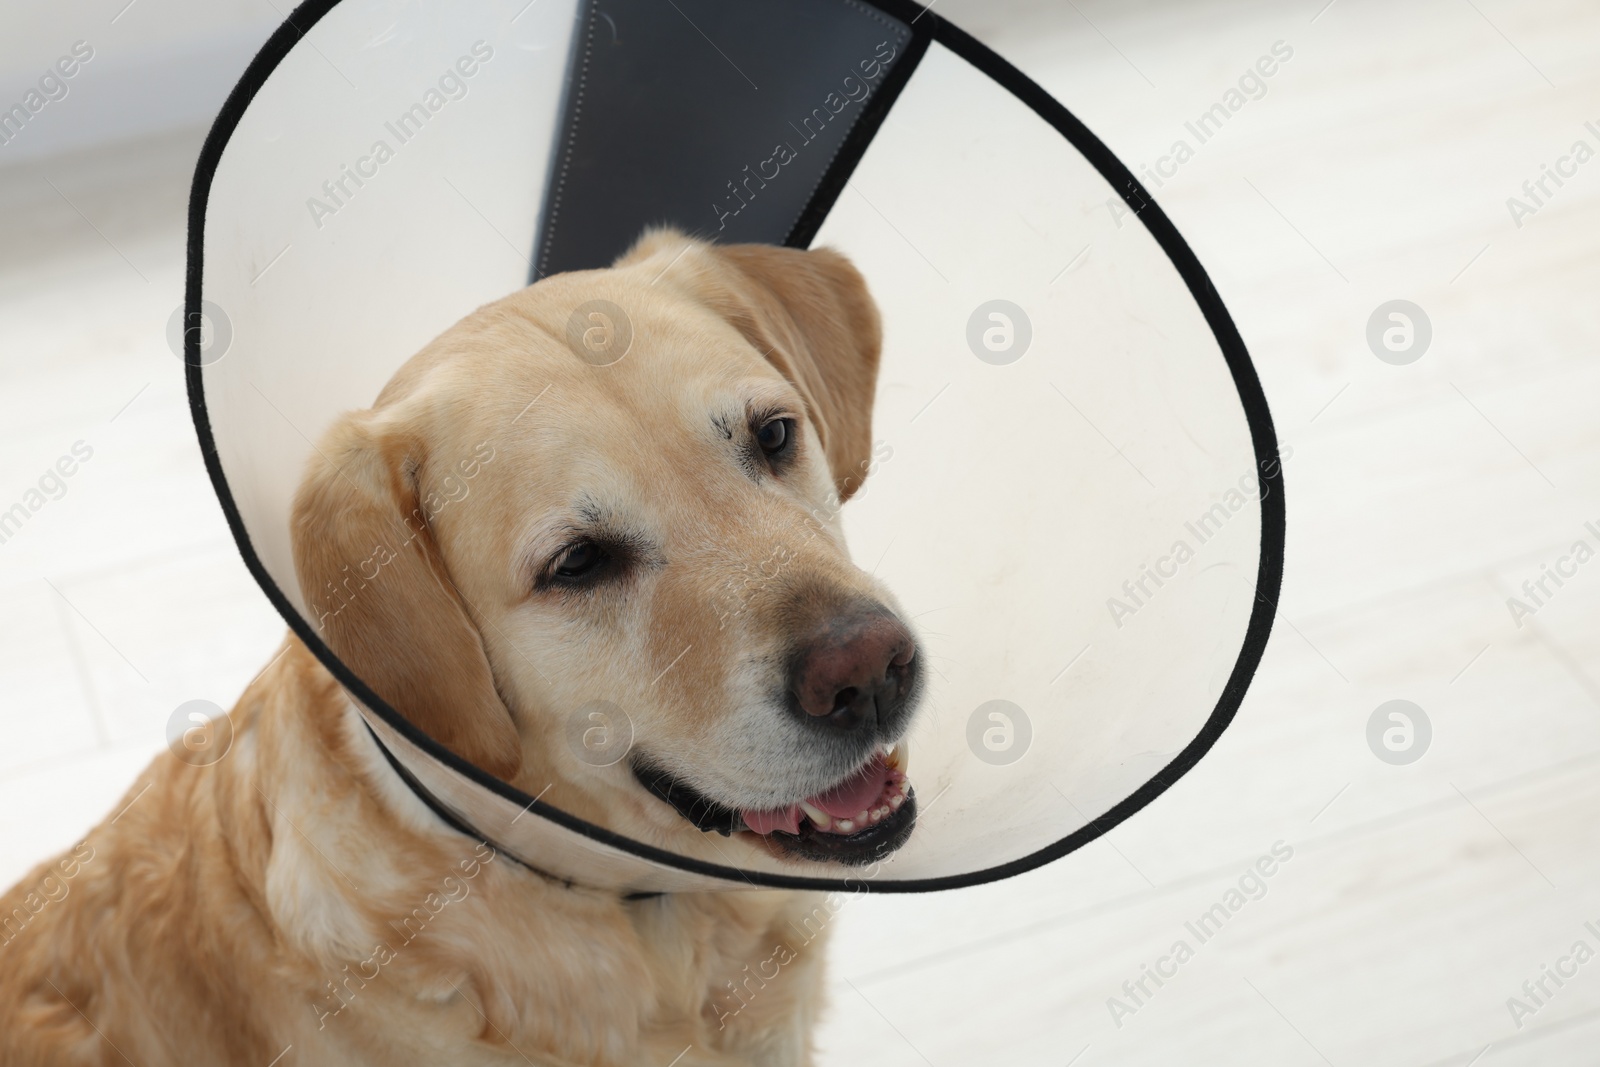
(1418, 898)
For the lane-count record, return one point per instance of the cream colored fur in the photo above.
(294, 904)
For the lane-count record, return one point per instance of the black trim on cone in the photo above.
(928, 26)
(855, 143)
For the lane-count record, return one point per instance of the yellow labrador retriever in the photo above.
(522, 525)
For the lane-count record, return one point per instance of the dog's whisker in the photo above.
(638, 506)
(883, 555)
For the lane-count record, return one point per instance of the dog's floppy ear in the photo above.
(380, 595)
(809, 313)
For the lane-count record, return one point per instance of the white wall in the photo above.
(157, 64)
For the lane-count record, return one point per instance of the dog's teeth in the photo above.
(897, 800)
(845, 826)
(862, 817)
(823, 820)
(899, 757)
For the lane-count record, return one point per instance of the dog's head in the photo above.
(590, 536)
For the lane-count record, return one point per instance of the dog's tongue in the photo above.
(856, 793)
(844, 801)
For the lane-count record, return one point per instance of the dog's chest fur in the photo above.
(281, 898)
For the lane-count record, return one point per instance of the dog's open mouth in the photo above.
(865, 817)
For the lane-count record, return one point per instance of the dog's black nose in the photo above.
(855, 672)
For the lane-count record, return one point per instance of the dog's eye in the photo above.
(578, 562)
(774, 436)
